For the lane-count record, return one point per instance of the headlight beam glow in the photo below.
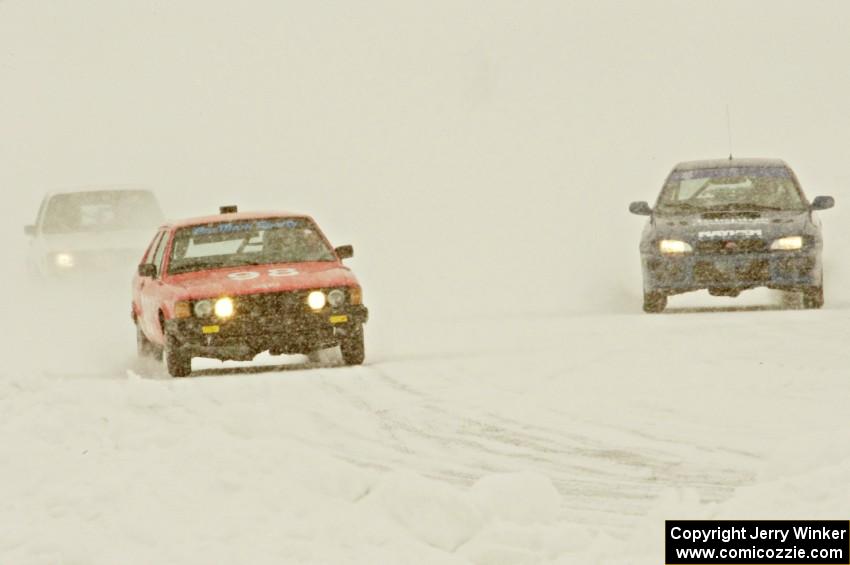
(674, 247)
(64, 260)
(224, 307)
(791, 243)
(316, 300)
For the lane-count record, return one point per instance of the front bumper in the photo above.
(778, 270)
(242, 337)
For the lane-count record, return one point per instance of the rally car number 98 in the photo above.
(235, 285)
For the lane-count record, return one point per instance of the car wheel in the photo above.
(654, 302)
(178, 363)
(813, 297)
(145, 348)
(352, 347)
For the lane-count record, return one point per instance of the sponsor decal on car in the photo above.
(714, 234)
(716, 221)
(237, 227)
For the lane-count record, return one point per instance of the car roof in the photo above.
(724, 163)
(99, 188)
(236, 216)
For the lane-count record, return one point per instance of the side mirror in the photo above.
(640, 208)
(29, 230)
(823, 203)
(345, 251)
(147, 270)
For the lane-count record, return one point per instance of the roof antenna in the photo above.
(729, 130)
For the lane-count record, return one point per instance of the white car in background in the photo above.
(99, 230)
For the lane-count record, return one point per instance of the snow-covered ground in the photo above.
(561, 438)
(516, 406)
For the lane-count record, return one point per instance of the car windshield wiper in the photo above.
(742, 206)
(202, 263)
(251, 263)
(681, 206)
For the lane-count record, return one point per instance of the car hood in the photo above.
(734, 225)
(255, 279)
(121, 240)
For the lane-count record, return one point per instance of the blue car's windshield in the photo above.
(730, 188)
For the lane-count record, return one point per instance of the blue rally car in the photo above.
(728, 226)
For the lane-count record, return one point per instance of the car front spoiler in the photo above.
(777, 270)
(242, 338)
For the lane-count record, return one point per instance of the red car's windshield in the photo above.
(247, 242)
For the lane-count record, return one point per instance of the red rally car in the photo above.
(237, 284)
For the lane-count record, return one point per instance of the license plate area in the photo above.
(732, 270)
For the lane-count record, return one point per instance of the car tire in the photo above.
(352, 347)
(654, 302)
(314, 356)
(813, 297)
(177, 362)
(145, 348)
(791, 300)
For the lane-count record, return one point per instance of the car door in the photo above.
(150, 290)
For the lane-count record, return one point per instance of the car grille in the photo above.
(731, 246)
(271, 305)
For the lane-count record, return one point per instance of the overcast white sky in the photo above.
(460, 145)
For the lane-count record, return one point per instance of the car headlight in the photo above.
(674, 246)
(203, 308)
(64, 260)
(787, 243)
(336, 298)
(224, 307)
(316, 300)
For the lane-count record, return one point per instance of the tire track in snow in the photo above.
(443, 440)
